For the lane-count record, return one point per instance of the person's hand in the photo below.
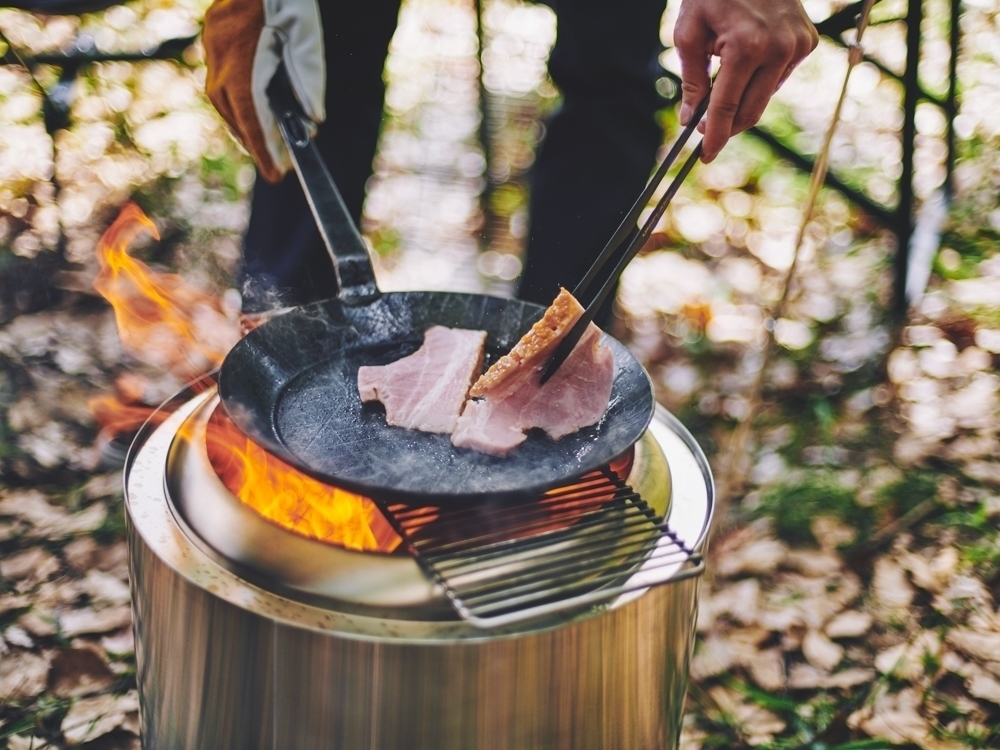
(758, 42)
(244, 41)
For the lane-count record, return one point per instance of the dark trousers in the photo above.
(598, 151)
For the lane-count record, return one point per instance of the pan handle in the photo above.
(347, 250)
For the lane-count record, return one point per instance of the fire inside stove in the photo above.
(313, 509)
(291, 499)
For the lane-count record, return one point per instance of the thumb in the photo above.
(693, 40)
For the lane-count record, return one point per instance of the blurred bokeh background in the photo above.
(862, 482)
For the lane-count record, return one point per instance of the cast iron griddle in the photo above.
(291, 385)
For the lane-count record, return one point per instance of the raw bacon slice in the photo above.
(512, 400)
(426, 390)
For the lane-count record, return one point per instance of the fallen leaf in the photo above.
(79, 671)
(849, 624)
(981, 685)
(849, 678)
(748, 637)
(80, 554)
(760, 725)
(87, 520)
(757, 724)
(907, 660)
(39, 624)
(893, 716)
(738, 600)
(767, 669)
(962, 590)
(757, 557)
(831, 533)
(987, 472)
(692, 738)
(11, 602)
(104, 588)
(814, 563)
(90, 718)
(31, 506)
(978, 645)
(32, 565)
(82, 621)
(820, 651)
(714, 656)
(16, 636)
(934, 574)
(806, 677)
(121, 643)
(891, 587)
(113, 558)
(22, 742)
(952, 662)
(791, 639)
(22, 675)
(798, 599)
(103, 485)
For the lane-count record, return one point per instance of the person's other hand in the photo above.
(758, 42)
(244, 41)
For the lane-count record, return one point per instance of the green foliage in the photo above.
(792, 507)
(979, 542)
(506, 199)
(905, 494)
(762, 698)
(225, 173)
(41, 718)
(113, 528)
(385, 241)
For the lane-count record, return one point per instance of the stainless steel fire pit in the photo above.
(248, 636)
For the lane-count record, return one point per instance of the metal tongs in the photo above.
(625, 229)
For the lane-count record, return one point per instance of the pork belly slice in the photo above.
(426, 390)
(513, 400)
(533, 349)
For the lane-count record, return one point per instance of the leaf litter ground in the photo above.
(853, 571)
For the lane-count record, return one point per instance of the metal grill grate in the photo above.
(577, 545)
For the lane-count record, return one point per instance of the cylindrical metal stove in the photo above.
(248, 636)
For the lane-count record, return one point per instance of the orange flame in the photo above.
(162, 320)
(170, 325)
(290, 498)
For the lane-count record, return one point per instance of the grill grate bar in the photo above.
(517, 598)
(493, 591)
(596, 531)
(576, 546)
(611, 538)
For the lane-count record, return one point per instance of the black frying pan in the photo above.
(291, 384)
